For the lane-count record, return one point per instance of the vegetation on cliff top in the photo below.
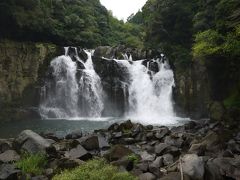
(65, 22)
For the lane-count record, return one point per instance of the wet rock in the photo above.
(89, 142)
(167, 159)
(160, 148)
(9, 156)
(145, 156)
(82, 54)
(114, 127)
(117, 152)
(161, 133)
(149, 127)
(8, 171)
(137, 129)
(147, 176)
(74, 135)
(178, 142)
(193, 166)
(31, 142)
(125, 126)
(78, 153)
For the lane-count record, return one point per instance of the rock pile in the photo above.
(194, 151)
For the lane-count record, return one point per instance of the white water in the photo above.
(66, 96)
(74, 93)
(150, 98)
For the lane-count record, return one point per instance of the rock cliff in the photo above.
(22, 65)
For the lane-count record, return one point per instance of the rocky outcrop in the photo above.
(22, 65)
(121, 52)
(205, 86)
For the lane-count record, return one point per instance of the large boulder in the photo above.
(9, 156)
(78, 153)
(32, 142)
(117, 152)
(94, 142)
(210, 142)
(193, 166)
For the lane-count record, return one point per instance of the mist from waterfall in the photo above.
(72, 92)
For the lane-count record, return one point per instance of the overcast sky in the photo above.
(122, 9)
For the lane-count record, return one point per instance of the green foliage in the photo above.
(32, 164)
(134, 158)
(94, 170)
(78, 22)
(233, 100)
(211, 42)
(207, 43)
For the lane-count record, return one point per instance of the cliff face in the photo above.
(22, 65)
(207, 86)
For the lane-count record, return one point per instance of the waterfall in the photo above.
(140, 90)
(150, 94)
(72, 91)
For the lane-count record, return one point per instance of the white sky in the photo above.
(122, 9)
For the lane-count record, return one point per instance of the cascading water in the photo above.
(72, 92)
(150, 94)
(143, 89)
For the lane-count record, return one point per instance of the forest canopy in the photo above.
(65, 22)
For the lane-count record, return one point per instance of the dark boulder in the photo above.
(78, 153)
(117, 152)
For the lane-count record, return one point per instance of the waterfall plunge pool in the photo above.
(64, 126)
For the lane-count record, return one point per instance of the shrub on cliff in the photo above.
(94, 170)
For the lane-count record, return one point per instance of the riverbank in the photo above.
(197, 150)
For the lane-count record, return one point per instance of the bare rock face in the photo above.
(22, 64)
